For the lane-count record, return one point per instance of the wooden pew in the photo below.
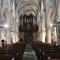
(14, 53)
(42, 47)
(7, 57)
(52, 56)
(48, 52)
(15, 50)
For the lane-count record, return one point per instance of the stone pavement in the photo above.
(29, 53)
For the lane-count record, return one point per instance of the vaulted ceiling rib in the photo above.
(27, 5)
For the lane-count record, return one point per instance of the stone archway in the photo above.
(49, 30)
(5, 31)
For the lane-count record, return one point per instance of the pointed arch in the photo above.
(6, 14)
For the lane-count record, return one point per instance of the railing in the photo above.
(28, 27)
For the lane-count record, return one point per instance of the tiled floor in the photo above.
(29, 53)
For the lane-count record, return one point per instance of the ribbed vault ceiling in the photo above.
(27, 6)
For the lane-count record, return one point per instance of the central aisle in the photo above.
(29, 53)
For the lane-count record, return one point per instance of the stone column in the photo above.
(43, 29)
(48, 30)
(40, 31)
(0, 28)
(0, 8)
(39, 23)
(7, 30)
(0, 38)
(8, 37)
(14, 24)
(48, 34)
(16, 37)
(16, 29)
(40, 37)
(55, 35)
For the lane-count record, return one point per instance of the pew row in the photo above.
(12, 51)
(43, 49)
